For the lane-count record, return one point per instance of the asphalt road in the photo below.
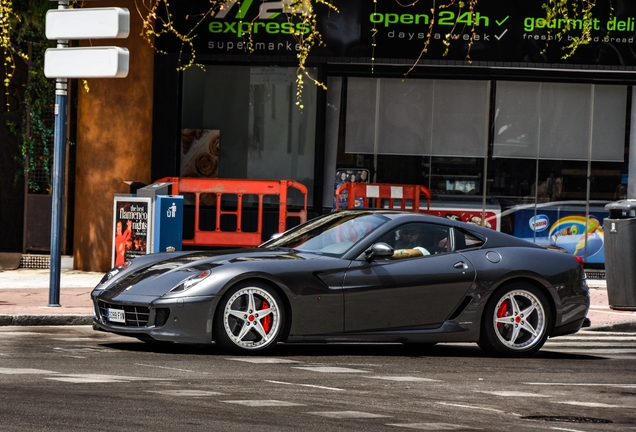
(72, 378)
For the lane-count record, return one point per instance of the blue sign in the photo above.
(168, 229)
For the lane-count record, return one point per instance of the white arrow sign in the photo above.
(93, 23)
(89, 62)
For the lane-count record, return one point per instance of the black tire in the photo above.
(516, 322)
(249, 319)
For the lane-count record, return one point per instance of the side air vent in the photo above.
(161, 316)
(461, 308)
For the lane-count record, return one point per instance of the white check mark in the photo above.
(501, 35)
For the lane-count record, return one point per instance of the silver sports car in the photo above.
(357, 276)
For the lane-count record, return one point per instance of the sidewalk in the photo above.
(24, 297)
(24, 300)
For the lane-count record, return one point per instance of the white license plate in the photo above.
(116, 315)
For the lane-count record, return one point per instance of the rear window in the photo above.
(467, 240)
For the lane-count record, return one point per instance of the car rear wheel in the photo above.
(249, 319)
(516, 322)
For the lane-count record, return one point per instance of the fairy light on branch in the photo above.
(8, 50)
(374, 32)
(157, 21)
(307, 38)
(568, 12)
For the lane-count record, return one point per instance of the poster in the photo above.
(131, 227)
(200, 153)
(345, 175)
(567, 228)
(470, 215)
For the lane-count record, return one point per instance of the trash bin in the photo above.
(167, 221)
(620, 254)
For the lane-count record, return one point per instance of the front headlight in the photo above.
(113, 272)
(191, 281)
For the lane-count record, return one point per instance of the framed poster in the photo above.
(200, 153)
(345, 175)
(132, 227)
(470, 215)
(566, 227)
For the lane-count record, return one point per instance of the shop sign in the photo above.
(515, 33)
(504, 31)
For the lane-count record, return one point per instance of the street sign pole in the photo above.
(57, 210)
(64, 24)
(59, 158)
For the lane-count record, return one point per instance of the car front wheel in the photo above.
(516, 322)
(249, 319)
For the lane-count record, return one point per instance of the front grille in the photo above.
(136, 316)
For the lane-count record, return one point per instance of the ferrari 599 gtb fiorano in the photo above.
(353, 276)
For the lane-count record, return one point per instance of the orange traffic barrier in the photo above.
(383, 195)
(217, 223)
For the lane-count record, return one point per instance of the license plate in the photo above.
(116, 315)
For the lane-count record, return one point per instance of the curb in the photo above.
(622, 327)
(46, 320)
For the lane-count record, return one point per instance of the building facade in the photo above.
(501, 121)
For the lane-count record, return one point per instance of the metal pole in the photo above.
(59, 158)
(631, 164)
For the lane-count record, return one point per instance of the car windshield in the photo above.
(333, 234)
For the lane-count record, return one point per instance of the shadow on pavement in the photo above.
(337, 350)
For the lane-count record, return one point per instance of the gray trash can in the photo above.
(620, 254)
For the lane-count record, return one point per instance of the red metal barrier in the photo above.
(384, 195)
(238, 187)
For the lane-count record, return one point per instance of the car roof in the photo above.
(493, 238)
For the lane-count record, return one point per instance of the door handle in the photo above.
(460, 265)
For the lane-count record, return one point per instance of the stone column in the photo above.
(114, 143)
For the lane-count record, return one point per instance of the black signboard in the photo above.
(496, 31)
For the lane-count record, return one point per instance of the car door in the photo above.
(420, 292)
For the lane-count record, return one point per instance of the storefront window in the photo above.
(560, 121)
(556, 154)
(416, 117)
(262, 132)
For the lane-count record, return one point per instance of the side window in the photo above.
(417, 239)
(466, 240)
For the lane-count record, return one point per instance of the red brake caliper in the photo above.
(502, 311)
(267, 321)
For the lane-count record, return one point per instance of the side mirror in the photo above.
(378, 250)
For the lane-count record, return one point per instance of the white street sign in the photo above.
(89, 62)
(92, 23)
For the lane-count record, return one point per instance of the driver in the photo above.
(409, 243)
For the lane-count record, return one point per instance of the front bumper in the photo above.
(181, 319)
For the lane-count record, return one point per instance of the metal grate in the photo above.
(595, 274)
(136, 316)
(35, 261)
(161, 316)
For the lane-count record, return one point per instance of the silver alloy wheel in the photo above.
(519, 320)
(251, 318)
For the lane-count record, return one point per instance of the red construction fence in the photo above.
(383, 195)
(233, 212)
